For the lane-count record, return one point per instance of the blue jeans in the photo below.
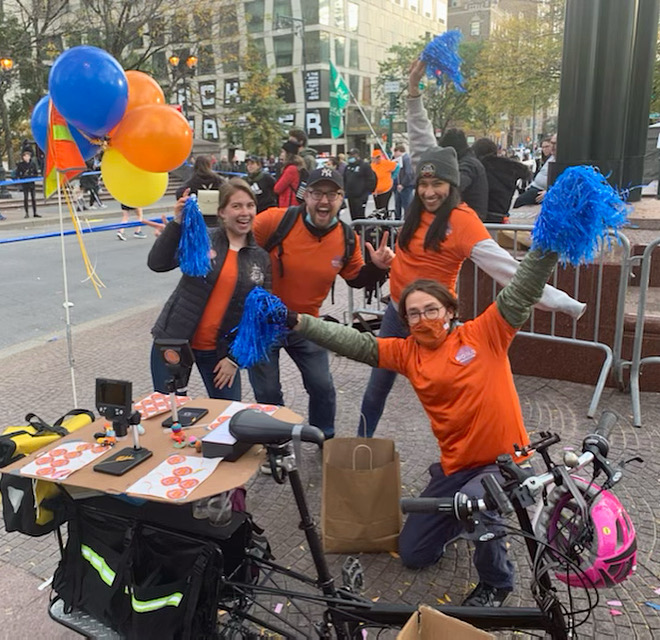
(206, 361)
(314, 366)
(402, 200)
(425, 535)
(381, 380)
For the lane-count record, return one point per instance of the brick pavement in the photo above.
(120, 348)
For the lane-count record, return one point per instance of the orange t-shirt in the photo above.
(311, 263)
(206, 334)
(383, 171)
(466, 388)
(463, 232)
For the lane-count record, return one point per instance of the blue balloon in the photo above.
(39, 124)
(89, 88)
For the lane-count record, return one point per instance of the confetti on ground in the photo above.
(376, 599)
(364, 634)
(616, 612)
(394, 554)
(440, 601)
(447, 598)
(657, 591)
(614, 603)
(653, 605)
(278, 607)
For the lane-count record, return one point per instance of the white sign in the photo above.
(210, 129)
(391, 86)
(207, 94)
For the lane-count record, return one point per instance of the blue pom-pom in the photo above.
(442, 59)
(262, 326)
(577, 213)
(194, 244)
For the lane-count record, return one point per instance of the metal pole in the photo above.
(304, 70)
(390, 132)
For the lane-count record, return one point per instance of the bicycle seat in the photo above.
(256, 427)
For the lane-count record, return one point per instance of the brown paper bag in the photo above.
(360, 501)
(430, 624)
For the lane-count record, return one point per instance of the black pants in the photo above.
(29, 189)
(357, 206)
(382, 199)
(528, 197)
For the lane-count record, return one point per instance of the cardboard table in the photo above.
(226, 476)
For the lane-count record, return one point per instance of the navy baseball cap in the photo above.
(325, 174)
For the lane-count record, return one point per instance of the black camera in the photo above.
(178, 358)
(114, 401)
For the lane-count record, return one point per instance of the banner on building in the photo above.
(313, 86)
(207, 94)
(232, 87)
(339, 98)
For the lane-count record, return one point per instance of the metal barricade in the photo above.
(612, 355)
(637, 360)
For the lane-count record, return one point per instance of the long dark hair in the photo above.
(437, 232)
(202, 167)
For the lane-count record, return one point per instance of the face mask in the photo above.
(352, 160)
(430, 333)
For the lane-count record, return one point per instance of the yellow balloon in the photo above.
(129, 184)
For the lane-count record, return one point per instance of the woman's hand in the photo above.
(383, 256)
(178, 207)
(417, 71)
(225, 372)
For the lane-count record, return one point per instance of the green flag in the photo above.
(339, 98)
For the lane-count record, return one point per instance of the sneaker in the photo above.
(121, 236)
(36, 215)
(139, 234)
(483, 595)
(104, 206)
(265, 469)
(92, 206)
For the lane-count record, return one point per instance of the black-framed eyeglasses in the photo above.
(432, 313)
(317, 196)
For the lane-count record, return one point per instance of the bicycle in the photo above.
(562, 535)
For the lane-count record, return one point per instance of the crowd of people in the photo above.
(284, 232)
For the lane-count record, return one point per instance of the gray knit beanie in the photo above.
(441, 163)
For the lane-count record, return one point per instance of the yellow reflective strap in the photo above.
(145, 606)
(61, 132)
(105, 572)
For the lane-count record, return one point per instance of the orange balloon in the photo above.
(142, 90)
(154, 137)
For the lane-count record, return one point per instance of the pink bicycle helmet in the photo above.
(609, 551)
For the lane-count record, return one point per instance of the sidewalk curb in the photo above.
(35, 223)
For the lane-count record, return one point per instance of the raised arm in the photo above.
(343, 340)
(501, 266)
(516, 300)
(420, 130)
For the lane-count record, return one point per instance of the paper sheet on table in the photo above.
(175, 478)
(156, 403)
(60, 462)
(220, 426)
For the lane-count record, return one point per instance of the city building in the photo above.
(477, 19)
(193, 50)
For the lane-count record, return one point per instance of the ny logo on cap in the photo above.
(427, 170)
(326, 172)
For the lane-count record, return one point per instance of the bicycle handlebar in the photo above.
(608, 420)
(427, 505)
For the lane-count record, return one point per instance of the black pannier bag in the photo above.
(151, 571)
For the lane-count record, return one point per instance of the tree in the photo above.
(519, 67)
(253, 121)
(446, 105)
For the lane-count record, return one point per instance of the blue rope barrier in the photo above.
(70, 232)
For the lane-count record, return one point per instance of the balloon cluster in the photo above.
(123, 112)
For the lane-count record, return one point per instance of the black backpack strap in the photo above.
(41, 427)
(349, 242)
(283, 229)
(196, 582)
(75, 412)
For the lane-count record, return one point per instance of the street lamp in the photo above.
(6, 67)
(297, 25)
(183, 72)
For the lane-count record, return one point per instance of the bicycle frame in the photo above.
(346, 612)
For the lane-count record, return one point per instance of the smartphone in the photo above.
(188, 417)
